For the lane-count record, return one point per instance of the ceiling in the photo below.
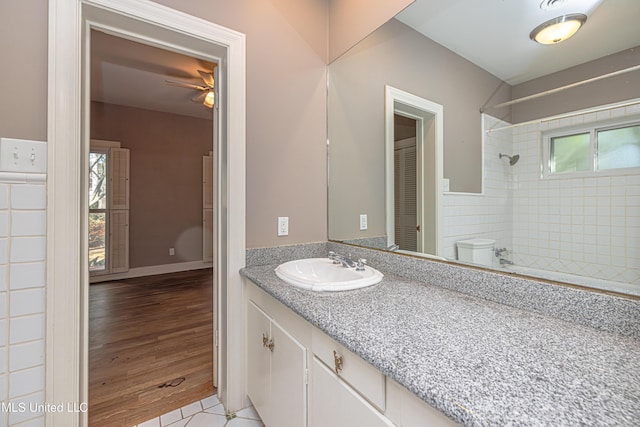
(494, 34)
(127, 73)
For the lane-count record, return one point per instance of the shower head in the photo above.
(512, 159)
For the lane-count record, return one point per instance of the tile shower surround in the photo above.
(589, 308)
(587, 226)
(22, 295)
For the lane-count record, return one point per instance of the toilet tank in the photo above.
(476, 251)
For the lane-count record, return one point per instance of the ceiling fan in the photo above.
(206, 96)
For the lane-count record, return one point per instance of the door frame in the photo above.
(66, 378)
(409, 105)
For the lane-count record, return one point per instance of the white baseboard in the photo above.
(152, 270)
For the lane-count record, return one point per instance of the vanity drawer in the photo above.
(362, 376)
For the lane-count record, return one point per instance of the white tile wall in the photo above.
(488, 215)
(585, 226)
(22, 298)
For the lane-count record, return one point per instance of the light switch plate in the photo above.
(22, 155)
(363, 222)
(283, 226)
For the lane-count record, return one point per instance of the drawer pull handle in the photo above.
(338, 362)
(267, 343)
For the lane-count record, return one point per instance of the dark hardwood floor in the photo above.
(150, 346)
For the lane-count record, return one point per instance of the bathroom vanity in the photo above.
(299, 376)
(409, 353)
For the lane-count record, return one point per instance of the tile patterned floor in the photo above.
(208, 412)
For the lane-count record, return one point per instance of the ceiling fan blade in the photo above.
(207, 78)
(200, 97)
(186, 85)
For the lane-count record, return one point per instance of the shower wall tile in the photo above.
(586, 226)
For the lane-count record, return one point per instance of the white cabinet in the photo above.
(360, 375)
(336, 404)
(276, 371)
(357, 395)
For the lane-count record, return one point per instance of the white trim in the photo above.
(605, 107)
(104, 143)
(393, 95)
(67, 271)
(22, 177)
(153, 270)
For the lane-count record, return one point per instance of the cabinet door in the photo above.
(258, 360)
(288, 380)
(333, 403)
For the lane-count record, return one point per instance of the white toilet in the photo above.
(476, 251)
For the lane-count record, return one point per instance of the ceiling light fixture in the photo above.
(209, 99)
(558, 29)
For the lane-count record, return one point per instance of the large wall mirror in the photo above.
(452, 153)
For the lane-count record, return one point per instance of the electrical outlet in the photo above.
(21, 155)
(172, 251)
(363, 221)
(283, 226)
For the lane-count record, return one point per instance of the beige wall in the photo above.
(352, 20)
(607, 91)
(398, 56)
(23, 70)
(166, 179)
(286, 112)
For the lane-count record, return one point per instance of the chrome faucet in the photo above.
(499, 251)
(346, 262)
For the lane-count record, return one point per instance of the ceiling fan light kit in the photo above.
(207, 96)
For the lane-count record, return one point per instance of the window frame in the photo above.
(106, 211)
(592, 129)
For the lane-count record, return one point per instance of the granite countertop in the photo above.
(479, 362)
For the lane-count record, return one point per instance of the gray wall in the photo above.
(286, 112)
(23, 75)
(607, 91)
(165, 182)
(352, 20)
(398, 56)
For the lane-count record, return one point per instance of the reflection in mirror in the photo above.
(413, 172)
(500, 212)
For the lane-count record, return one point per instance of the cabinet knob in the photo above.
(267, 343)
(338, 362)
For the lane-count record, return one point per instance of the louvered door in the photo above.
(406, 202)
(119, 210)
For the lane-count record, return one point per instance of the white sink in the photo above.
(321, 274)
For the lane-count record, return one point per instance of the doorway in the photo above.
(151, 137)
(413, 172)
(67, 267)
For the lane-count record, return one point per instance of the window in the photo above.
(108, 208)
(97, 210)
(587, 151)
